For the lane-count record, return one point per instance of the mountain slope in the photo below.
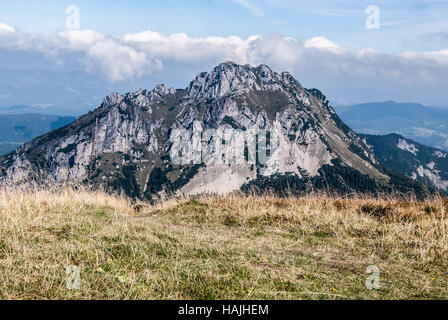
(234, 127)
(18, 129)
(424, 164)
(426, 125)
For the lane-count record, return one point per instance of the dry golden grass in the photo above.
(234, 247)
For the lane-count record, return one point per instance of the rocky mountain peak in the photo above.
(162, 90)
(232, 79)
(141, 97)
(112, 99)
(222, 117)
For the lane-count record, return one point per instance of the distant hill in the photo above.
(16, 129)
(421, 163)
(427, 125)
(19, 109)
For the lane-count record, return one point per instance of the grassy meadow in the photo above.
(211, 247)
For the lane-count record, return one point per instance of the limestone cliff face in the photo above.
(421, 163)
(136, 138)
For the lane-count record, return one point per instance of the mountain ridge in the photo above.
(138, 134)
(421, 163)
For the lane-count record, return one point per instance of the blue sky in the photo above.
(124, 45)
(340, 21)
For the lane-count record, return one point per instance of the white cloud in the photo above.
(144, 36)
(317, 60)
(119, 62)
(6, 28)
(280, 52)
(322, 43)
(180, 47)
(440, 56)
(80, 39)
